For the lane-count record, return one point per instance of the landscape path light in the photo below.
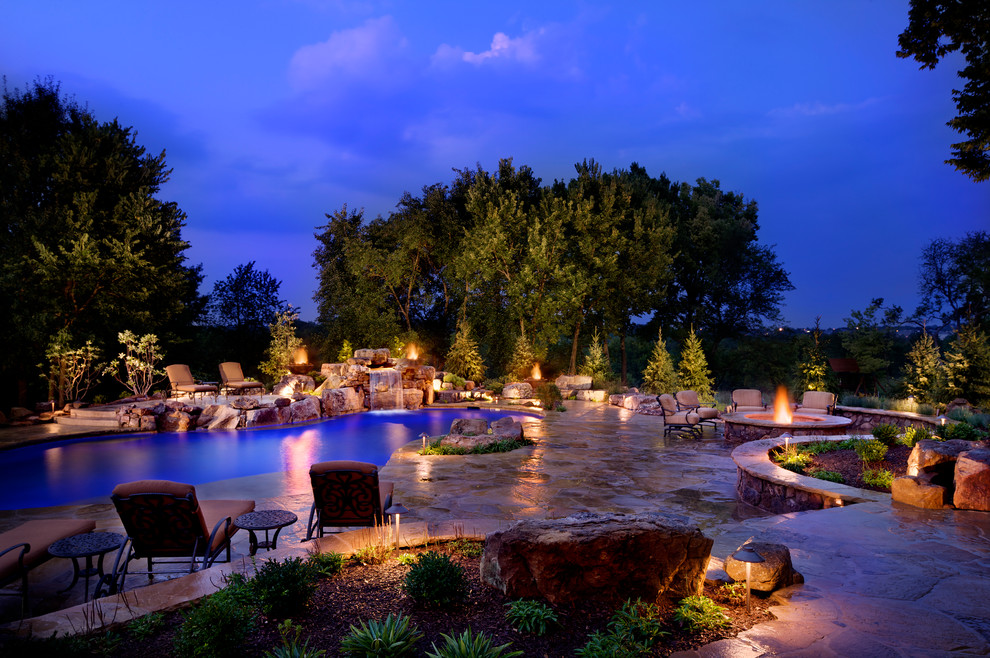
(424, 436)
(750, 557)
(397, 510)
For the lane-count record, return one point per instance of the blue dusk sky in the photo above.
(273, 113)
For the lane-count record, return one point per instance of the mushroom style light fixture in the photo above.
(750, 557)
(423, 436)
(396, 510)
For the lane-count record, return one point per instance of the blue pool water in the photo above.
(64, 472)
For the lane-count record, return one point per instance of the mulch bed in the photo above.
(850, 466)
(364, 592)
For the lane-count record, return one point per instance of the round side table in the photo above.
(269, 519)
(87, 545)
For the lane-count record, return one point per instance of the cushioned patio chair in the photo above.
(821, 403)
(688, 401)
(746, 400)
(165, 521)
(675, 420)
(232, 379)
(25, 547)
(180, 380)
(346, 493)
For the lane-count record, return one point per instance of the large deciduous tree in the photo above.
(937, 28)
(85, 245)
(954, 279)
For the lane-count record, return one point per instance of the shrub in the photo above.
(468, 645)
(831, 476)
(395, 636)
(146, 626)
(531, 617)
(963, 431)
(870, 451)
(878, 478)
(464, 358)
(659, 376)
(733, 591)
(217, 626)
(436, 580)
(792, 460)
(700, 613)
(548, 394)
(605, 645)
(595, 364)
(407, 559)
(819, 447)
(914, 434)
(522, 362)
(467, 547)
(284, 588)
(451, 378)
(290, 643)
(886, 433)
(327, 564)
(506, 445)
(376, 553)
(632, 631)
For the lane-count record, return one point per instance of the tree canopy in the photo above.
(87, 248)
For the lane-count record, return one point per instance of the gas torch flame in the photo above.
(300, 356)
(411, 352)
(782, 407)
(536, 371)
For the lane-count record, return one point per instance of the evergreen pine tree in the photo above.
(968, 365)
(659, 376)
(464, 359)
(523, 360)
(924, 372)
(596, 364)
(284, 343)
(813, 370)
(692, 372)
(346, 352)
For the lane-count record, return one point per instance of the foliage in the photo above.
(955, 280)
(873, 402)
(968, 365)
(548, 394)
(456, 380)
(935, 29)
(963, 431)
(464, 359)
(792, 459)
(692, 372)
(138, 359)
(823, 474)
(247, 299)
(283, 345)
(819, 447)
(470, 645)
(870, 451)
(345, 352)
(505, 445)
(327, 564)
(632, 631)
(868, 339)
(87, 246)
(523, 360)
(886, 433)
(700, 613)
(467, 547)
(396, 636)
(407, 559)
(374, 553)
(284, 588)
(595, 364)
(924, 373)
(291, 648)
(531, 617)
(659, 376)
(72, 371)
(215, 627)
(878, 478)
(815, 374)
(914, 434)
(147, 626)
(967, 416)
(436, 580)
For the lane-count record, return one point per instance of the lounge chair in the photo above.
(232, 379)
(25, 547)
(821, 403)
(346, 493)
(164, 519)
(675, 420)
(747, 400)
(688, 401)
(180, 380)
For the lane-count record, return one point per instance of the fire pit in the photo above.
(300, 362)
(752, 426)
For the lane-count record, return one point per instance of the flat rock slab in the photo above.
(605, 557)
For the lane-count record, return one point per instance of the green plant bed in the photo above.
(842, 461)
(434, 448)
(367, 602)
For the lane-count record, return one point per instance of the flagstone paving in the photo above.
(881, 579)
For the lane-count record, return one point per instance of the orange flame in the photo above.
(536, 371)
(300, 356)
(782, 407)
(411, 352)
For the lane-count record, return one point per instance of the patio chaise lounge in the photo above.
(25, 547)
(164, 519)
(688, 401)
(180, 380)
(675, 420)
(346, 493)
(232, 379)
(821, 403)
(746, 400)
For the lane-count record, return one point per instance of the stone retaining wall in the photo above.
(864, 420)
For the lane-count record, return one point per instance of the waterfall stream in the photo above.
(386, 388)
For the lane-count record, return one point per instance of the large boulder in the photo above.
(573, 382)
(507, 429)
(377, 357)
(343, 400)
(267, 415)
(333, 369)
(175, 420)
(218, 416)
(917, 491)
(307, 409)
(290, 384)
(775, 572)
(517, 391)
(972, 477)
(606, 557)
(936, 460)
(412, 398)
(590, 396)
(469, 426)
(639, 401)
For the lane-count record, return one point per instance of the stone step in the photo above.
(69, 421)
(105, 414)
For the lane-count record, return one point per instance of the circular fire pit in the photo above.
(742, 427)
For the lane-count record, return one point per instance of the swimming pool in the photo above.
(78, 470)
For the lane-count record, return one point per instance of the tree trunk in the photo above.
(574, 347)
(622, 342)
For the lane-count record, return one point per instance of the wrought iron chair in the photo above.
(346, 493)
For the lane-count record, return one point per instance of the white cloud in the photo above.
(818, 108)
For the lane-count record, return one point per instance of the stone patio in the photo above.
(881, 579)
